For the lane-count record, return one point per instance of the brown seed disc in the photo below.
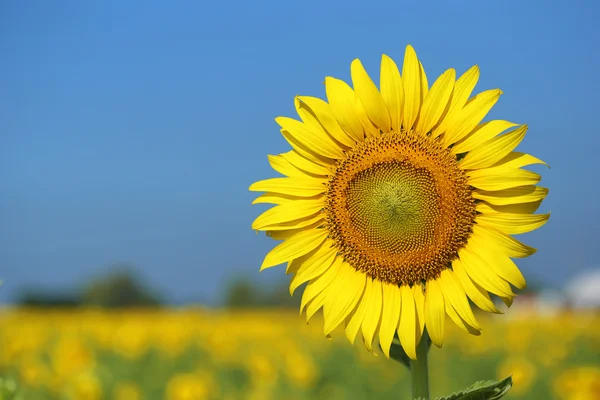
(399, 208)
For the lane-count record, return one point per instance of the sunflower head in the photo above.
(397, 204)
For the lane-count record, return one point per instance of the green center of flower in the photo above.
(398, 208)
(394, 205)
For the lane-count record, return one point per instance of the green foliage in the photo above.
(118, 289)
(39, 298)
(242, 293)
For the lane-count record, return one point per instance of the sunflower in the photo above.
(397, 204)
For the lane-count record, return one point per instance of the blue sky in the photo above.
(130, 131)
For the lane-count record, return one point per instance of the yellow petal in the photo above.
(370, 97)
(435, 312)
(464, 87)
(341, 100)
(488, 153)
(370, 129)
(312, 265)
(294, 158)
(285, 213)
(316, 287)
(462, 90)
(279, 198)
(322, 114)
(481, 273)
(291, 267)
(500, 178)
(503, 242)
(455, 294)
(517, 195)
(300, 223)
(424, 83)
(342, 296)
(470, 115)
(294, 247)
(370, 324)
(304, 187)
(389, 316)
(507, 300)
(481, 134)
(313, 121)
(392, 90)
(288, 233)
(458, 320)
(306, 152)
(502, 265)
(513, 224)
(517, 160)
(420, 304)
(409, 330)
(520, 208)
(411, 80)
(281, 165)
(272, 198)
(436, 101)
(354, 321)
(315, 304)
(316, 140)
(476, 293)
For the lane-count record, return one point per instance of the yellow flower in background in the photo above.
(33, 371)
(85, 386)
(523, 373)
(173, 339)
(300, 368)
(227, 346)
(262, 369)
(397, 204)
(130, 340)
(519, 336)
(552, 356)
(21, 342)
(581, 383)
(71, 355)
(127, 391)
(192, 386)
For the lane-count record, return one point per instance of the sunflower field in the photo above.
(197, 353)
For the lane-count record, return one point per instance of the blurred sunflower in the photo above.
(397, 204)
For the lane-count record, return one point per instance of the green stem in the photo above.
(418, 370)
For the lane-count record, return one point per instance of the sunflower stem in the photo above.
(418, 370)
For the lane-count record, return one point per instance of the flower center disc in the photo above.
(399, 208)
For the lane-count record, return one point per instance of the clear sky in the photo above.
(130, 131)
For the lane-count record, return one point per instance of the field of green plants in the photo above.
(195, 354)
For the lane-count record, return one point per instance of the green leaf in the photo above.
(483, 390)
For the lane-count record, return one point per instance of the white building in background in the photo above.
(583, 290)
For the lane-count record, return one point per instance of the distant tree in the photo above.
(119, 288)
(242, 293)
(39, 298)
(279, 296)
